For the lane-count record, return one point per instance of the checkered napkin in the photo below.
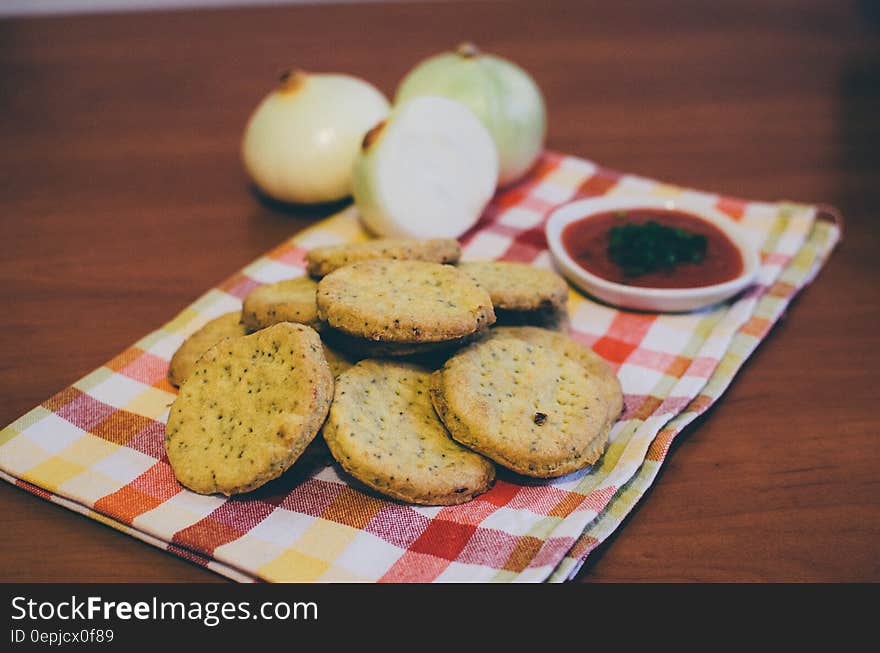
(97, 446)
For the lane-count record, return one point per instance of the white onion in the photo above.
(502, 94)
(301, 141)
(428, 171)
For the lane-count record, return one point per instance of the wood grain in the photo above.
(123, 199)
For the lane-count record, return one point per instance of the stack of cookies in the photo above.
(421, 373)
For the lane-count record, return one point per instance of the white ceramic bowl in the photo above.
(649, 299)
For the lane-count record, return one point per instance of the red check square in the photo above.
(599, 184)
(398, 524)
(502, 493)
(239, 285)
(613, 350)
(158, 482)
(527, 246)
(444, 539)
(489, 547)
(206, 535)
(414, 567)
(85, 412)
(146, 368)
(126, 503)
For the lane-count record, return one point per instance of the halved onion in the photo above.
(428, 171)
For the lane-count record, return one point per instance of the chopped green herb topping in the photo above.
(643, 248)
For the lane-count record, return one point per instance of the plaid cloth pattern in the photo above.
(97, 447)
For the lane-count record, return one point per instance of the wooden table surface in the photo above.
(122, 199)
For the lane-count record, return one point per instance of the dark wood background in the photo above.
(122, 198)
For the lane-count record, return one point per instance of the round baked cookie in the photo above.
(249, 409)
(184, 359)
(403, 302)
(382, 429)
(321, 261)
(526, 407)
(577, 352)
(517, 286)
(292, 300)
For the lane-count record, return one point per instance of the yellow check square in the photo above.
(565, 177)
(19, 454)
(325, 540)
(88, 449)
(342, 575)
(52, 473)
(293, 567)
(182, 320)
(666, 190)
(89, 487)
(7, 434)
(152, 403)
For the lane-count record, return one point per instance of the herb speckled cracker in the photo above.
(518, 286)
(184, 359)
(575, 351)
(249, 409)
(292, 300)
(524, 406)
(322, 261)
(403, 302)
(382, 429)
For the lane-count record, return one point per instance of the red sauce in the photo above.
(586, 241)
